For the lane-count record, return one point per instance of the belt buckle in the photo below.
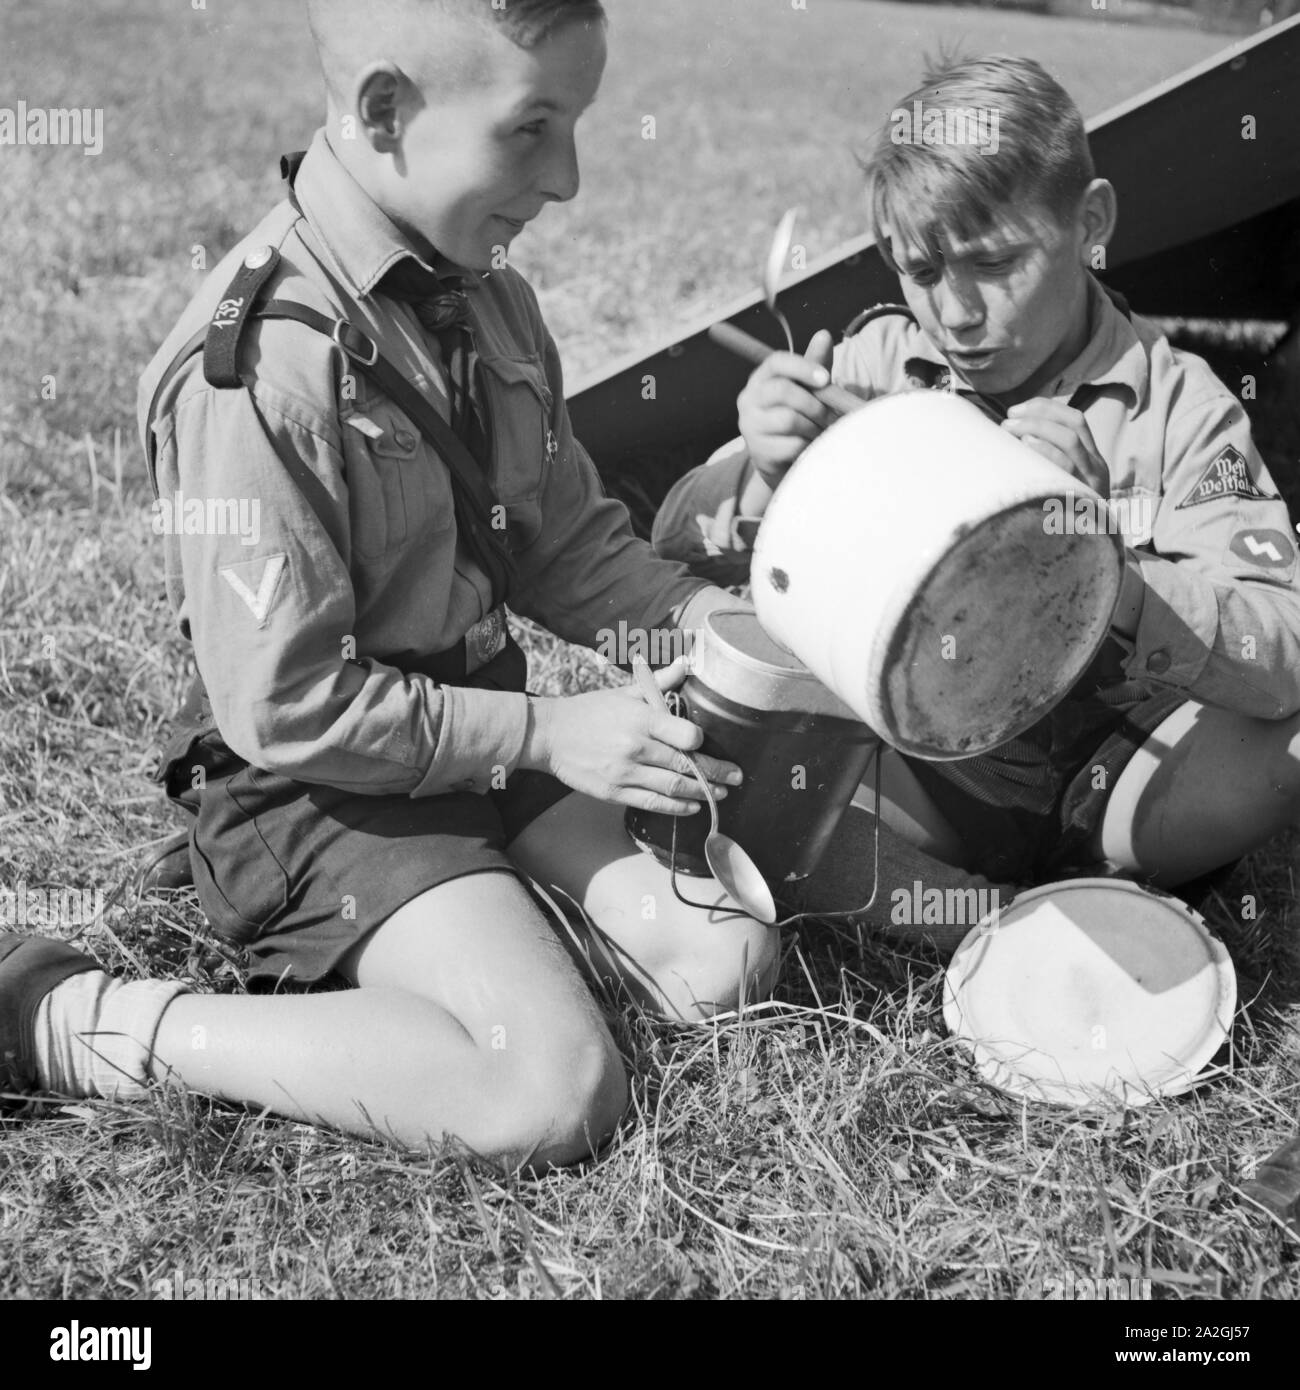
(485, 640)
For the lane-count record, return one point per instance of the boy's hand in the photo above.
(1061, 434)
(779, 415)
(611, 745)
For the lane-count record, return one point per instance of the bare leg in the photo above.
(470, 1020)
(1206, 787)
(679, 961)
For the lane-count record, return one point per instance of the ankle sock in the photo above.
(95, 1034)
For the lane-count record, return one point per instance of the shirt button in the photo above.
(1158, 662)
(258, 257)
(404, 439)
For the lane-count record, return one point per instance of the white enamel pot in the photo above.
(946, 581)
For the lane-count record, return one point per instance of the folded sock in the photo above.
(95, 1034)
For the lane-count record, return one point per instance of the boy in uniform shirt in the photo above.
(366, 772)
(1178, 751)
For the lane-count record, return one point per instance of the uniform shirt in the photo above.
(1221, 610)
(307, 629)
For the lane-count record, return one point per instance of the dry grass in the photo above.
(833, 1143)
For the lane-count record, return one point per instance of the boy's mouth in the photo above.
(970, 360)
(514, 223)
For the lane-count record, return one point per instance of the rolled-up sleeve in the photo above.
(1221, 611)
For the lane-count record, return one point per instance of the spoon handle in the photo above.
(736, 340)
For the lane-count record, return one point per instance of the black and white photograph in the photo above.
(650, 651)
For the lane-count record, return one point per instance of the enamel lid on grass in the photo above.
(1091, 993)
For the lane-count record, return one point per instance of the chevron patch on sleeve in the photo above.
(256, 582)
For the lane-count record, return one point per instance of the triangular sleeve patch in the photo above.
(1227, 476)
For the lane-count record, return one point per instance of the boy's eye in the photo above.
(922, 274)
(996, 265)
(531, 128)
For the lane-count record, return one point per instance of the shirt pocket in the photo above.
(520, 402)
(399, 492)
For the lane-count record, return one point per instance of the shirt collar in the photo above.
(360, 238)
(1112, 356)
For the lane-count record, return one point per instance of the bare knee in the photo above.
(710, 963)
(559, 1108)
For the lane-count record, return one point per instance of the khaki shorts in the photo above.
(297, 873)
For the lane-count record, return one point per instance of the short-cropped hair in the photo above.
(529, 22)
(348, 31)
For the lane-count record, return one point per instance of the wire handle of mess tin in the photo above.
(798, 916)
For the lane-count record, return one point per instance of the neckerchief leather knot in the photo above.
(440, 301)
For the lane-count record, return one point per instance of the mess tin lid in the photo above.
(1091, 993)
(735, 657)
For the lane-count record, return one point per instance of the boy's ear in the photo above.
(382, 90)
(1098, 213)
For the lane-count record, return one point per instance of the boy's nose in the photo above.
(959, 307)
(560, 178)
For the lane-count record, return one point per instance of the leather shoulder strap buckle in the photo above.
(359, 346)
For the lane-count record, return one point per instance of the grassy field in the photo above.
(832, 1143)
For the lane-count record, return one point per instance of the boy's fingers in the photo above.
(658, 753)
(719, 772)
(667, 734)
(1048, 450)
(781, 396)
(785, 422)
(680, 786)
(1024, 427)
(654, 801)
(1053, 420)
(1060, 436)
(792, 367)
(821, 348)
(671, 676)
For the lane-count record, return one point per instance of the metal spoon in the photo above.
(743, 344)
(775, 268)
(730, 865)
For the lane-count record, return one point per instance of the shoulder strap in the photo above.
(219, 340)
(477, 508)
(878, 311)
(192, 346)
(363, 352)
(474, 501)
(226, 328)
